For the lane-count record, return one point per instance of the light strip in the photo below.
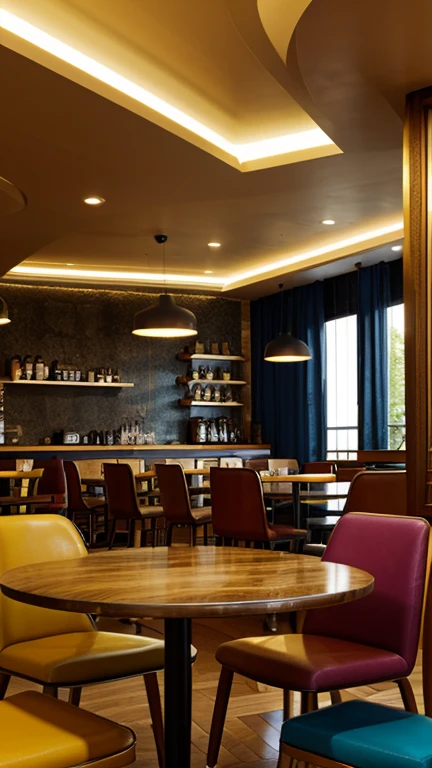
(104, 274)
(330, 248)
(254, 150)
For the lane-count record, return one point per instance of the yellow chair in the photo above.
(58, 649)
(42, 733)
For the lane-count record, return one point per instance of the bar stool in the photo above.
(122, 504)
(176, 502)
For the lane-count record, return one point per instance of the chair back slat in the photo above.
(174, 493)
(120, 492)
(379, 492)
(238, 509)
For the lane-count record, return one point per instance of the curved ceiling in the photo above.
(249, 68)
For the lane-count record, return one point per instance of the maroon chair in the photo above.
(85, 513)
(51, 483)
(176, 504)
(122, 503)
(380, 491)
(239, 511)
(318, 467)
(371, 640)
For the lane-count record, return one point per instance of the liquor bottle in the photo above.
(109, 376)
(116, 377)
(38, 368)
(27, 368)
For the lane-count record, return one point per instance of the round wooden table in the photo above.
(178, 584)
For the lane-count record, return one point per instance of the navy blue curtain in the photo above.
(373, 300)
(288, 399)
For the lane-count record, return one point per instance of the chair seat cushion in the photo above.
(284, 532)
(309, 662)
(202, 514)
(41, 732)
(364, 735)
(83, 657)
(154, 510)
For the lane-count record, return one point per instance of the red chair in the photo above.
(318, 467)
(239, 511)
(380, 492)
(122, 503)
(176, 504)
(83, 512)
(372, 640)
(51, 484)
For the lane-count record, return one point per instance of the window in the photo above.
(342, 408)
(396, 417)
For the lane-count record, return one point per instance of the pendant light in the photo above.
(286, 348)
(4, 315)
(165, 320)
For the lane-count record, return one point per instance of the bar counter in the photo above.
(76, 452)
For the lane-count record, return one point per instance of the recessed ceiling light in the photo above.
(208, 271)
(328, 222)
(213, 245)
(69, 265)
(396, 247)
(94, 200)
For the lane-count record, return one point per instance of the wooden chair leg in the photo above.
(309, 702)
(194, 535)
(153, 531)
(336, 697)
(91, 529)
(407, 695)
(205, 535)
(153, 696)
(219, 715)
(75, 696)
(169, 535)
(4, 682)
(131, 533)
(112, 534)
(51, 690)
(287, 705)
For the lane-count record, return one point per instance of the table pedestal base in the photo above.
(178, 693)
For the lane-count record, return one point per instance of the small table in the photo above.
(296, 480)
(178, 585)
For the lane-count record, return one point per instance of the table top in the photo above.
(13, 474)
(322, 478)
(180, 582)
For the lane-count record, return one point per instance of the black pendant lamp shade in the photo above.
(286, 348)
(4, 315)
(165, 320)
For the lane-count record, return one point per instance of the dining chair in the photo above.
(176, 504)
(57, 649)
(318, 467)
(53, 482)
(40, 732)
(122, 504)
(379, 491)
(239, 512)
(361, 734)
(368, 641)
(87, 512)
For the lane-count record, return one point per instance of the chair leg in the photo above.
(91, 527)
(194, 535)
(112, 534)
(336, 697)
(219, 715)
(75, 696)
(309, 702)
(287, 705)
(153, 531)
(153, 696)
(407, 695)
(51, 690)
(131, 533)
(169, 535)
(205, 535)
(4, 682)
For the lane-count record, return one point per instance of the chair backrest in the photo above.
(384, 493)
(291, 464)
(318, 467)
(174, 493)
(32, 539)
(394, 550)
(53, 480)
(120, 492)
(346, 474)
(185, 463)
(238, 509)
(73, 483)
(259, 465)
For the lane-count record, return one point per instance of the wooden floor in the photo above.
(254, 716)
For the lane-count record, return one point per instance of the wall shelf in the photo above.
(209, 404)
(66, 383)
(184, 356)
(233, 382)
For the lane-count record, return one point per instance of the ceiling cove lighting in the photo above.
(214, 245)
(165, 320)
(150, 278)
(4, 314)
(286, 348)
(328, 222)
(255, 150)
(94, 200)
(308, 255)
(396, 247)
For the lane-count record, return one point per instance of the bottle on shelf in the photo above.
(91, 375)
(116, 377)
(38, 368)
(109, 376)
(16, 368)
(27, 368)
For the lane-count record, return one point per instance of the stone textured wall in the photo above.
(92, 328)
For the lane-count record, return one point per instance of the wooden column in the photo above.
(417, 262)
